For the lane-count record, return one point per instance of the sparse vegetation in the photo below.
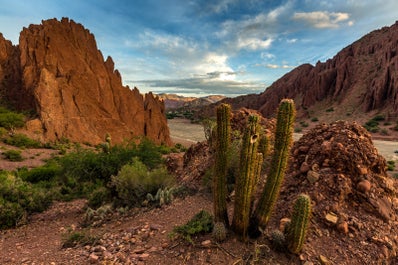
(201, 223)
(10, 120)
(13, 155)
(22, 141)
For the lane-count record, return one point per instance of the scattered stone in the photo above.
(324, 260)
(143, 257)
(364, 186)
(342, 227)
(331, 218)
(93, 258)
(312, 176)
(206, 243)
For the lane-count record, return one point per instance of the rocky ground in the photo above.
(354, 217)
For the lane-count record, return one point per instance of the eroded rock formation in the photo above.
(360, 78)
(58, 71)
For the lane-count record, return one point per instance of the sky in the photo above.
(209, 47)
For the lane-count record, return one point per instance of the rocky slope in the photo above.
(361, 78)
(58, 72)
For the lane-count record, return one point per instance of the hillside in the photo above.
(57, 73)
(356, 84)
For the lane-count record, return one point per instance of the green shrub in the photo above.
(330, 109)
(21, 140)
(201, 223)
(390, 165)
(379, 118)
(149, 153)
(9, 119)
(13, 155)
(11, 214)
(19, 198)
(134, 182)
(98, 197)
(43, 173)
(314, 119)
(72, 239)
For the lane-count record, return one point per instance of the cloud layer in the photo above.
(229, 47)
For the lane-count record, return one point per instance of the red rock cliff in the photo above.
(361, 78)
(76, 94)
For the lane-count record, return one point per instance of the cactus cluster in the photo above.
(248, 220)
(163, 196)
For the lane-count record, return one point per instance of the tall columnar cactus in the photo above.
(283, 142)
(220, 172)
(299, 223)
(245, 181)
(263, 145)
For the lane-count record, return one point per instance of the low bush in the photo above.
(47, 172)
(21, 140)
(9, 119)
(201, 223)
(13, 155)
(134, 182)
(20, 198)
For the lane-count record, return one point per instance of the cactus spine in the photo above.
(283, 141)
(298, 227)
(220, 172)
(245, 181)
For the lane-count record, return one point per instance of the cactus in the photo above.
(297, 230)
(278, 240)
(283, 141)
(219, 232)
(263, 145)
(220, 172)
(163, 196)
(245, 181)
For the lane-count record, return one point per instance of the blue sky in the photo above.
(203, 47)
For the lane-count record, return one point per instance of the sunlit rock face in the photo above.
(58, 72)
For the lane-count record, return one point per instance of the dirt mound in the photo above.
(191, 168)
(355, 205)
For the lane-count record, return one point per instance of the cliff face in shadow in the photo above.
(58, 72)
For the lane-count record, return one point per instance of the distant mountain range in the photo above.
(359, 81)
(173, 101)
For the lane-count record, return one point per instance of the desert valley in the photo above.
(94, 172)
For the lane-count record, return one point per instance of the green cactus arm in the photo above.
(220, 172)
(283, 141)
(299, 223)
(245, 181)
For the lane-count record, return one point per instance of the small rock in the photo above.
(312, 176)
(331, 218)
(304, 167)
(364, 186)
(206, 243)
(139, 250)
(143, 256)
(93, 258)
(324, 260)
(282, 223)
(362, 170)
(342, 227)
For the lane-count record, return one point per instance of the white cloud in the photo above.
(275, 66)
(253, 33)
(322, 19)
(267, 55)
